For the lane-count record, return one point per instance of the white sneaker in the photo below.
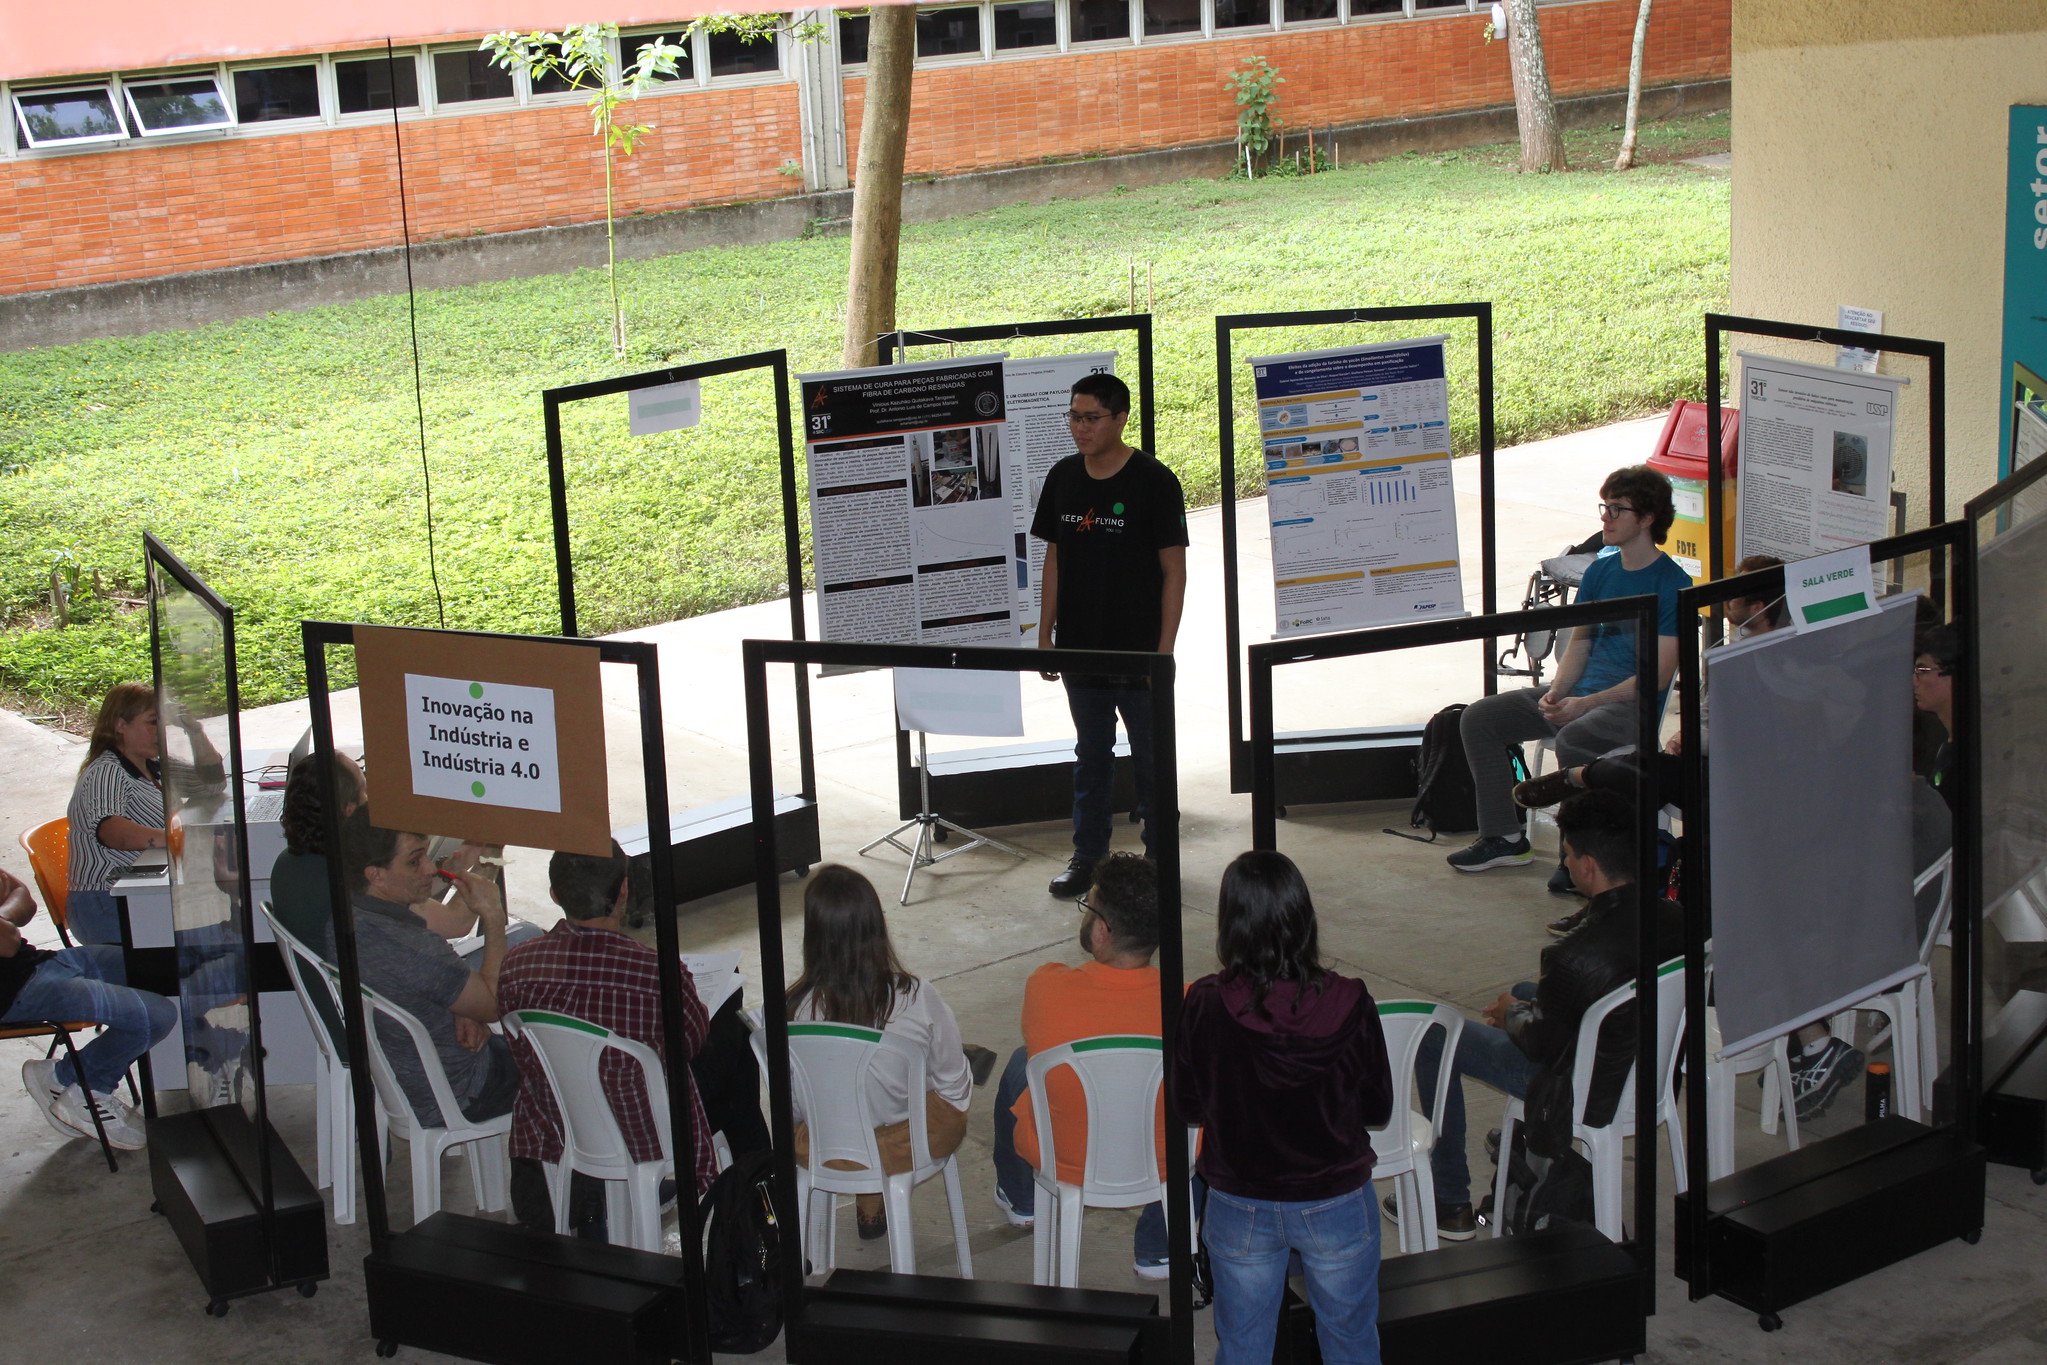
(39, 1078)
(123, 1125)
(1016, 1220)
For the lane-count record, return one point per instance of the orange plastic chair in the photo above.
(49, 855)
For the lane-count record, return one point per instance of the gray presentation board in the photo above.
(1809, 775)
(2011, 592)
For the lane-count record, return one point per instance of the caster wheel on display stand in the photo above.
(1769, 1322)
(217, 1309)
(1280, 812)
(1973, 1236)
(386, 1349)
(802, 872)
(157, 1207)
(2040, 1176)
(308, 1289)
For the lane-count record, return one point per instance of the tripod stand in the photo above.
(930, 828)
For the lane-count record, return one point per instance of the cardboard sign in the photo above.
(486, 738)
(1826, 590)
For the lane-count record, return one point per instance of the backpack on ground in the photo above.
(1444, 799)
(1544, 1192)
(743, 1256)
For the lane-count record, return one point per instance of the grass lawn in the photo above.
(279, 456)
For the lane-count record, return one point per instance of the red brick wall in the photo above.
(144, 211)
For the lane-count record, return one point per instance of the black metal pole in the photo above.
(1716, 495)
(1488, 509)
(1648, 987)
(1692, 886)
(558, 502)
(1165, 795)
(792, 559)
(1264, 799)
(1233, 626)
(1965, 962)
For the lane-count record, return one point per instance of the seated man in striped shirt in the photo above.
(587, 967)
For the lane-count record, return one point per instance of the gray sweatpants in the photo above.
(1491, 724)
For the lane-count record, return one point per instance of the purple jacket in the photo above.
(1285, 1103)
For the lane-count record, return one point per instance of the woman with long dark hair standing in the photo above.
(1283, 1064)
(851, 976)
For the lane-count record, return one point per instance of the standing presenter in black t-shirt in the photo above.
(1114, 523)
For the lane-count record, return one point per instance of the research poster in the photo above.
(2023, 416)
(911, 518)
(1357, 485)
(1037, 394)
(1815, 457)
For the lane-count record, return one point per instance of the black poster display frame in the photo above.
(1934, 353)
(210, 1166)
(1774, 1234)
(1242, 747)
(2011, 1117)
(493, 1291)
(864, 1316)
(1006, 795)
(717, 860)
(1457, 1302)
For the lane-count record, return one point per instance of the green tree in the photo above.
(586, 57)
(1252, 85)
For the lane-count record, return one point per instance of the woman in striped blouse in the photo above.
(116, 809)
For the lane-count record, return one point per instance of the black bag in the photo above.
(743, 1256)
(1444, 800)
(1544, 1192)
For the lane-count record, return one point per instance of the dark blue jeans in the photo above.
(1013, 1175)
(83, 984)
(1095, 709)
(1486, 1054)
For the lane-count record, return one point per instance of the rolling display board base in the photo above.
(218, 1218)
(501, 1293)
(1810, 1220)
(1025, 783)
(2013, 1117)
(861, 1316)
(1313, 767)
(712, 846)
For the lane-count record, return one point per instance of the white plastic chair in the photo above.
(1603, 1144)
(830, 1068)
(1401, 1148)
(1120, 1077)
(333, 1096)
(490, 1173)
(571, 1052)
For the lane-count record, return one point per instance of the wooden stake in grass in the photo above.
(878, 186)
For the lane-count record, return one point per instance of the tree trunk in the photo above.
(1542, 146)
(1627, 153)
(878, 188)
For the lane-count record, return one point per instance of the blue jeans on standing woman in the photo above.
(1250, 1243)
(81, 984)
(1095, 704)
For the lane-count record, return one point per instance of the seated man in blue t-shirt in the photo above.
(1590, 705)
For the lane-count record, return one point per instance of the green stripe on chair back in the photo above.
(1676, 964)
(1100, 1044)
(560, 1021)
(1406, 1007)
(854, 1031)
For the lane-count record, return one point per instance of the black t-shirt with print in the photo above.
(1109, 533)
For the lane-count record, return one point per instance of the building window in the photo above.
(1035, 24)
(852, 39)
(277, 92)
(1440, 4)
(633, 44)
(363, 85)
(1242, 14)
(184, 104)
(1362, 8)
(949, 32)
(1162, 17)
(464, 75)
(731, 55)
(1096, 21)
(68, 118)
(1307, 11)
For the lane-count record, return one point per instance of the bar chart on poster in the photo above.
(1358, 488)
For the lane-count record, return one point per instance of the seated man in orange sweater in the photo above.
(1117, 993)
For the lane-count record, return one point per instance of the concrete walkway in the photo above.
(79, 1246)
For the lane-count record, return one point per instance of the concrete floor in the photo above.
(84, 1266)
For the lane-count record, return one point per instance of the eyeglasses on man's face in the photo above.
(1925, 670)
(1610, 510)
(1088, 419)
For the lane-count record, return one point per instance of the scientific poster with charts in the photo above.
(1357, 483)
(1037, 394)
(1815, 457)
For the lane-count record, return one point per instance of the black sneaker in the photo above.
(1560, 883)
(1454, 1222)
(1075, 880)
(1815, 1080)
(1490, 851)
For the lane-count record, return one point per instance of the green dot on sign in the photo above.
(476, 689)
(476, 789)
(1117, 510)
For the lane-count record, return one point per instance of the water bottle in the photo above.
(1876, 1092)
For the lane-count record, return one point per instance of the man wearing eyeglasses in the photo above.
(1589, 706)
(1114, 523)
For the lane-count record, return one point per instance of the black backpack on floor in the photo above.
(743, 1256)
(1444, 800)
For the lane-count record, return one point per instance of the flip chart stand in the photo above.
(931, 827)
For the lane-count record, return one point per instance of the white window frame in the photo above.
(701, 61)
(18, 133)
(1199, 33)
(143, 133)
(984, 26)
(1134, 38)
(699, 66)
(430, 101)
(1008, 54)
(322, 87)
(331, 93)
